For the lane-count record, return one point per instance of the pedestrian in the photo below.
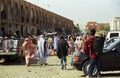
(28, 49)
(80, 45)
(70, 43)
(76, 52)
(34, 42)
(85, 46)
(76, 44)
(50, 45)
(62, 52)
(94, 59)
(42, 50)
(50, 42)
(55, 43)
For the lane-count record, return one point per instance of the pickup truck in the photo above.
(11, 49)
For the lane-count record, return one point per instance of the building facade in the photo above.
(98, 26)
(23, 18)
(90, 25)
(115, 24)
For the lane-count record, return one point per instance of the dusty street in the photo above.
(52, 70)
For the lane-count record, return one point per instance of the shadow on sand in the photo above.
(34, 62)
(108, 75)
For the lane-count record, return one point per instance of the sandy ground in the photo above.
(52, 70)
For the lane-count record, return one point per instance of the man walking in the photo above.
(62, 52)
(55, 42)
(42, 49)
(94, 59)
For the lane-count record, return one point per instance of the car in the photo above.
(110, 59)
(11, 49)
(111, 34)
(110, 41)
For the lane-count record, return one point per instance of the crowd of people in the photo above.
(61, 46)
(42, 46)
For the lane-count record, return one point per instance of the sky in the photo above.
(82, 11)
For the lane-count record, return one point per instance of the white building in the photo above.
(115, 23)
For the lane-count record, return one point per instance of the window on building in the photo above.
(16, 12)
(3, 11)
(22, 14)
(10, 11)
(27, 15)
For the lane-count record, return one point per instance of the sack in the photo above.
(98, 44)
(52, 52)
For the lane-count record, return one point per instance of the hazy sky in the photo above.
(83, 11)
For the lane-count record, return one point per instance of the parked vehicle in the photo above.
(110, 41)
(111, 34)
(11, 49)
(110, 59)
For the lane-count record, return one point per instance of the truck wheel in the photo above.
(20, 58)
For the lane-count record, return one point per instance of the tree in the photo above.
(107, 28)
(76, 29)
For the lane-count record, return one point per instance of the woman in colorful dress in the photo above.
(28, 49)
(70, 43)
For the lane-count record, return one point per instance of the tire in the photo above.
(77, 67)
(20, 57)
(85, 68)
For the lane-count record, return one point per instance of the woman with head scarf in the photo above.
(28, 49)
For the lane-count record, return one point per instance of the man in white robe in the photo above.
(55, 42)
(42, 50)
